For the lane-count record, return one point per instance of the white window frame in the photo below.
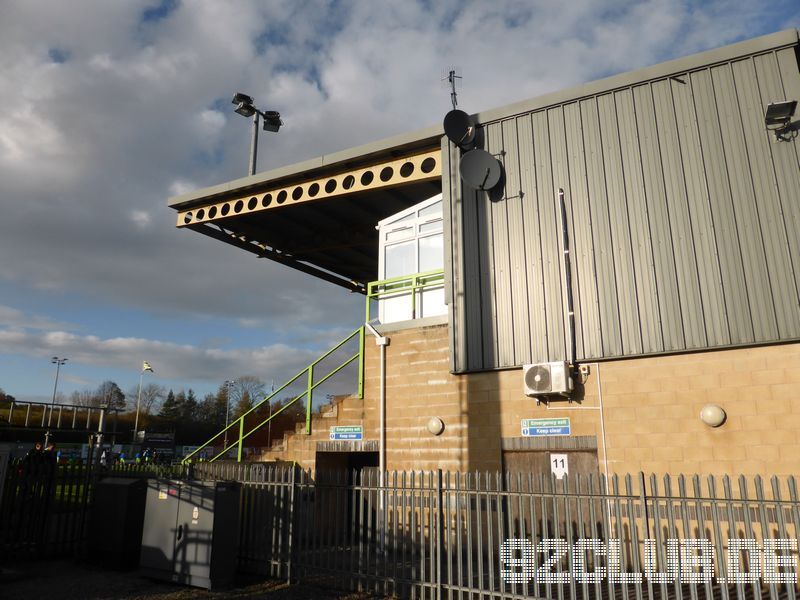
(410, 219)
(384, 227)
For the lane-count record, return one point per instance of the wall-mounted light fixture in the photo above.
(778, 118)
(435, 426)
(713, 415)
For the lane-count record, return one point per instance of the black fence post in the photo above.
(643, 499)
(439, 534)
(290, 535)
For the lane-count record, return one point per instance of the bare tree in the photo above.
(247, 391)
(84, 397)
(109, 394)
(151, 398)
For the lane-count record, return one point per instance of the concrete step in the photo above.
(319, 424)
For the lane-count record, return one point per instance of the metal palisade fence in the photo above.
(477, 535)
(45, 508)
(492, 535)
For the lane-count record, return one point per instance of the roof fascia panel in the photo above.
(387, 148)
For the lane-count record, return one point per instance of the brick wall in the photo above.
(651, 410)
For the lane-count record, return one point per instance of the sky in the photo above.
(107, 109)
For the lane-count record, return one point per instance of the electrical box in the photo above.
(115, 529)
(191, 531)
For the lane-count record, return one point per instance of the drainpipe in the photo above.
(381, 341)
(570, 314)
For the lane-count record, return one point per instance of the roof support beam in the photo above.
(264, 251)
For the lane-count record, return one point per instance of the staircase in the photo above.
(239, 431)
(301, 447)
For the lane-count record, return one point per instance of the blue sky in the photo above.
(110, 108)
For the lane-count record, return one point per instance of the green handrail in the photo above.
(403, 285)
(310, 386)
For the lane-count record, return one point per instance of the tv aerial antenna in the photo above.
(452, 78)
(479, 169)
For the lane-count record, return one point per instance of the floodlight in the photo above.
(778, 117)
(58, 362)
(245, 104)
(272, 120)
(246, 110)
(779, 113)
(240, 98)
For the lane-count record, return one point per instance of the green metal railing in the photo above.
(376, 290)
(407, 284)
(239, 423)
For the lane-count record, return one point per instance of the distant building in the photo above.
(683, 217)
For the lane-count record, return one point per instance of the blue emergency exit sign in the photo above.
(545, 427)
(347, 432)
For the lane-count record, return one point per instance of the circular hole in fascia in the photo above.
(330, 186)
(201, 214)
(226, 208)
(282, 196)
(187, 218)
(348, 182)
(297, 193)
(212, 212)
(266, 200)
(428, 165)
(252, 203)
(237, 208)
(407, 169)
(313, 189)
(367, 177)
(387, 173)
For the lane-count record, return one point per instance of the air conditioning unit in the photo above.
(547, 379)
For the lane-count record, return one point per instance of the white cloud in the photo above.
(211, 121)
(16, 319)
(182, 362)
(180, 186)
(141, 218)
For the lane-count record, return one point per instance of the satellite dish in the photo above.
(458, 129)
(480, 170)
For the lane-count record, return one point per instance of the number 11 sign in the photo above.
(559, 465)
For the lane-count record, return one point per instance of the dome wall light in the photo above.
(435, 426)
(713, 415)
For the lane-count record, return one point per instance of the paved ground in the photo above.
(70, 580)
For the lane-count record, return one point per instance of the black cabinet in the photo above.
(191, 531)
(115, 530)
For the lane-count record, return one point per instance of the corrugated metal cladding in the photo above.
(684, 217)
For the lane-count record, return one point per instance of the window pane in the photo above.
(431, 253)
(399, 234)
(432, 210)
(400, 260)
(408, 217)
(430, 227)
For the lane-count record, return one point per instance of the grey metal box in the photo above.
(191, 531)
